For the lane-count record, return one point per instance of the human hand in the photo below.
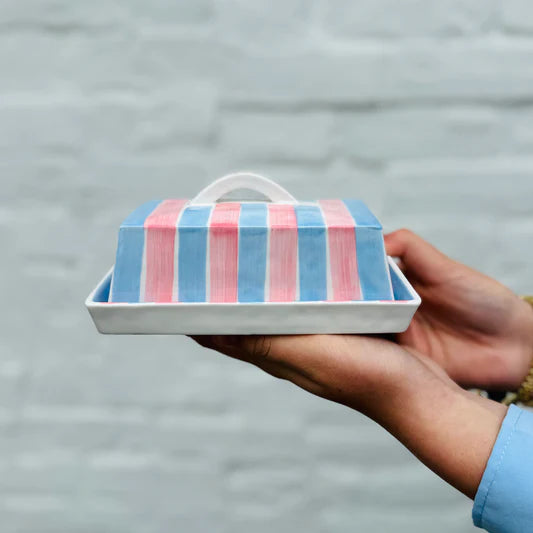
(469, 328)
(347, 369)
(450, 430)
(476, 329)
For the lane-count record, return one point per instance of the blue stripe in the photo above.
(311, 253)
(128, 265)
(361, 214)
(253, 234)
(401, 292)
(374, 274)
(192, 255)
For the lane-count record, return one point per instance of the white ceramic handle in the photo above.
(242, 180)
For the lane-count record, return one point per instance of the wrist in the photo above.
(408, 393)
(522, 387)
(524, 362)
(450, 430)
(515, 353)
(527, 302)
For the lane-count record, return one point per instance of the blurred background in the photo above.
(423, 108)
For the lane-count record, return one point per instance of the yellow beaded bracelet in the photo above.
(524, 394)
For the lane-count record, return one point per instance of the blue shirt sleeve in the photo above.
(504, 500)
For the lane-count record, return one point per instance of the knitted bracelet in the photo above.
(524, 394)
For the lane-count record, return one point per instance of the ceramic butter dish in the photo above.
(252, 266)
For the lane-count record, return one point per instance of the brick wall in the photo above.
(424, 108)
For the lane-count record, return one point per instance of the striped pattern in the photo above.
(160, 237)
(253, 243)
(345, 282)
(169, 251)
(312, 253)
(126, 285)
(223, 252)
(282, 253)
(192, 254)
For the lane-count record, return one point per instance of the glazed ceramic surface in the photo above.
(242, 252)
(256, 318)
(202, 266)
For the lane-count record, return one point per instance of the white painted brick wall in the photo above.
(410, 18)
(422, 108)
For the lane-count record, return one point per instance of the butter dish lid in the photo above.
(280, 250)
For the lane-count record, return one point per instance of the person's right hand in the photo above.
(476, 329)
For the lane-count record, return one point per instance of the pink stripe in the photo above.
(342, 250)
(283, 249)
(223, 252)
(160, 227)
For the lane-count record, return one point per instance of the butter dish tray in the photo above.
(265, 318)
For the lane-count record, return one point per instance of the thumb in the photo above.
(418, 256)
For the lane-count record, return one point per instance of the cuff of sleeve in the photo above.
(498, 481)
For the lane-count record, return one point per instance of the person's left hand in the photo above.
(477, 330)
(450, 430)
(348, 369)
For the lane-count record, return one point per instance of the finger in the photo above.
(249, 346)
(315, 358)
(295, 352)
(258, 350)
(254, 349)
(342, 368)
(214, 342)
(416, 255)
